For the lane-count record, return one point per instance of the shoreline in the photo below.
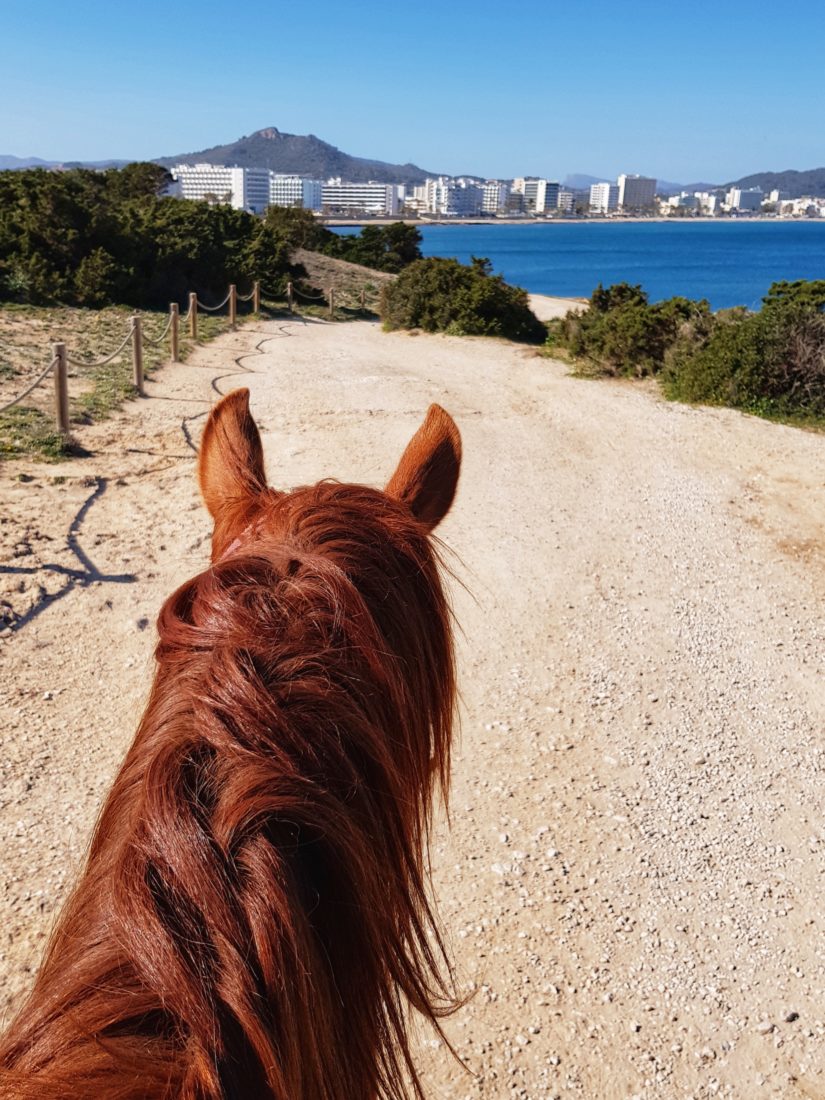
(356, 223)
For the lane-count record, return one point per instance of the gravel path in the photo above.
(633, 875)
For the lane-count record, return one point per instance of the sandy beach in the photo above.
(631, 881)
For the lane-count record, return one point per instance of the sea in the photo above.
(727, 262)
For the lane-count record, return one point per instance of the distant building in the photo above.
(453, 198)
(540, 195)
(779, 196)
(341, 197)
(287, 190)
(243, 188)
(684, 201)
(739, 198)
(636, 192)
(604, 198)
(567, 200)
(494, 196)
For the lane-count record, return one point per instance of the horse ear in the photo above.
(427, 474)
(231, 459)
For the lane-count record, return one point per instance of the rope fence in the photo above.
(101, 362)
(137, 337)
(32, 387)
(213, 309)
(158, 340)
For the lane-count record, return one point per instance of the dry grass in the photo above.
(27, 334)
(346, 279)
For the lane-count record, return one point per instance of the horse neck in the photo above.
(253, 910)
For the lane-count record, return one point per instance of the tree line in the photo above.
(90, 238)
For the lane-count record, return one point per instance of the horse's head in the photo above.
(234, 486)
(255, 906)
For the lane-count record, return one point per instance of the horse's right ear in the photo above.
(427, 474)
(231, 459)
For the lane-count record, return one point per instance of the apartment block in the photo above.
(242, 188)
(636, 192)
(604, 198)
(341, 197)
(453, 198)
(540, 195)
(494, 196)
(285, 190)
(739, 198)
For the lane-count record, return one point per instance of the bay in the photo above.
(728, 262)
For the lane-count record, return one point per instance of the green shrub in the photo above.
(440, 295)
(621, 333)
(771, 362)
(93, 238)
(382, 247)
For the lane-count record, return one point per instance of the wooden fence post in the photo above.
(256, 297)
(332, 303)
(363, 299)
(173, 332)
(61, 388)
(137, 355)
(289, 298)
(193, 315)
(233, 304)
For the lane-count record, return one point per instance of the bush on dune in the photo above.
(771, 362)
(439, 295)
(622, 334)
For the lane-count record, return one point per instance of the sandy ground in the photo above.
(632, 882)
(547, 308)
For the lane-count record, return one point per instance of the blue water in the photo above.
(729, 263)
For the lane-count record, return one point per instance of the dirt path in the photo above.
(633, 879)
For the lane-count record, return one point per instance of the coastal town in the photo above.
(466, 197)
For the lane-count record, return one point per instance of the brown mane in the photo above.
(253, 919)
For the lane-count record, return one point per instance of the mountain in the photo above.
(797, 184)
(579, 182)
(9, 163)
(18, 164)
(306, 156)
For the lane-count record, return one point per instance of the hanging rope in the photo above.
(158, 339)
(33, 386)
(309, 297)
(101, 362)
(213, 309)
(246, 297)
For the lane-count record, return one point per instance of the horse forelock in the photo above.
(259, 861)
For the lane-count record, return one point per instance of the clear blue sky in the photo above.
(684, 92)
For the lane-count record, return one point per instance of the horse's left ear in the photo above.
(427, 474)
(231, 459)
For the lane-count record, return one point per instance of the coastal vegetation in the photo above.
(86, 238)
(770, 362)
(387, 248)
(440, 295)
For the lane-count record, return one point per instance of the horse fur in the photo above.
(253, 919)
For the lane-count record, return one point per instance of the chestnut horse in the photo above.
(253, 919)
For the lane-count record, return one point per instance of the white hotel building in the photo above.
(604, 198)
(340, 197)
(243, 188)
(540, 195)
(294, 191)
